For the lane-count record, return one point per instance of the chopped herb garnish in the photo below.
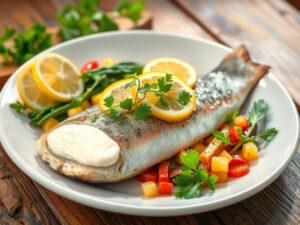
(257, 113)
(189, 183)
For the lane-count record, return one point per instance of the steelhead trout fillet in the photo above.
(146, 143)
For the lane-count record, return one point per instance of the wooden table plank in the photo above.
(273, 39)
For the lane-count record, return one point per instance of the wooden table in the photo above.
(271, 30)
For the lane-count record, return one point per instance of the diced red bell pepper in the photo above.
(234, 134)
(163, 172)
(228, 148)
(238, 167)
(175, 171)
(242, 122)
(148, 175)
(165, 188)
(93, 64)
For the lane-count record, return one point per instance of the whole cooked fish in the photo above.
(146, 143)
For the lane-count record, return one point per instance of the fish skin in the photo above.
(146, 143)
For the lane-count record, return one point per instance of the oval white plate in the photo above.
(19, 139)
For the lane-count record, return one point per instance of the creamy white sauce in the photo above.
(84, 144)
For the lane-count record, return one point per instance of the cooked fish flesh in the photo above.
(146, 143)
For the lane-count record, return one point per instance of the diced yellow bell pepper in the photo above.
(222, 176)
(50, 124)
(108, 62)
(74, 111)
(149, 189)
(96, 99)
(199, 146)
(250, 151)
(85, 105)
(224, 153)
(178, 156)
(219, 164)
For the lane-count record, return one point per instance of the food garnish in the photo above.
(95, 81)
(189, 183)
(159, 94)
(57, 77)
(29, 92)
(181, 69)
(85, 17)
(25, 44)
(237, 137)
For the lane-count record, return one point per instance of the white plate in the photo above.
(19, 139)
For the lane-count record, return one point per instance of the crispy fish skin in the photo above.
(146, 143)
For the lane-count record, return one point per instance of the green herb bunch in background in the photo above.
(74, 20)
(86, 18)
(24, 45)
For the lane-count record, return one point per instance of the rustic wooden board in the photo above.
(123, 23)
(277, 204)
(270, 32)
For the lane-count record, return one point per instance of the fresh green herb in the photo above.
(230, 117)
(184, 97)
(257, 113)
(85, 17)
(18, 106)
(143, 111)
(95, 82)
(127, 104)
(268, 134)
(25, 44)
(131, 10)
(221, 137)
(189, 183)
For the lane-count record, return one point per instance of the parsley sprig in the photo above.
(257, 114)
(189, 183)
(143, 110)
(23, 45)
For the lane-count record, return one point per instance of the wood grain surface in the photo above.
(271, 31)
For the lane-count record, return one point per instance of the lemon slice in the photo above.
(29, 92)
(174, 66)
(57, 77)
(119, 91)
(175, 111)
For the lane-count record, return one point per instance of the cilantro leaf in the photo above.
(230, 117)
(108, 101)
(185, 178)
(201, 174)
(162, 103)
(184, 97)
(131, 10)
(188, 192)
(221, 137)
(258, 111)
(211, 182)
(168, 78)
(131, 83)
(127, 104)
(114, 113)
(268, 134)
(164, 84)
(18, 106)
(142, 112)
(190, 159)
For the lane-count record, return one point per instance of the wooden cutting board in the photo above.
(124, 24)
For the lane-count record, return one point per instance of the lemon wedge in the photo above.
(29, 92)
(119, 91)
(174, 66)
(175, 111)
(57, 77)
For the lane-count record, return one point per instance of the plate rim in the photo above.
(143, 210)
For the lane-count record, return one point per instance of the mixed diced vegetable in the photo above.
(226, 153)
